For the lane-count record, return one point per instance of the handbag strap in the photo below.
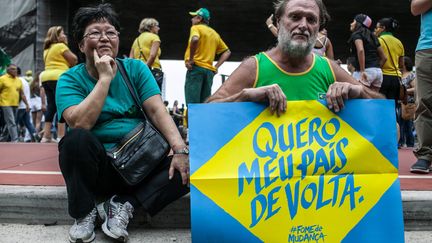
(130, 87)
(46, 56)
(394, 64)
(140, 50)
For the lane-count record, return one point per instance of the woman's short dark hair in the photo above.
(408, 63)
(87, 15)
(390, 24)
(324, 16)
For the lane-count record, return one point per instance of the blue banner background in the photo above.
(213, 125)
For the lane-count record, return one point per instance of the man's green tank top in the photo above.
(309, 85)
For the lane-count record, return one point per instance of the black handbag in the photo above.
(158, 75)
(142, 149)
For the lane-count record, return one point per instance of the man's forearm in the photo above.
(24, 98)
(193, 47)
(370, 94)
(223, 58)
(238, 97)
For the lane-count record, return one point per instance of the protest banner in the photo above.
(310, 175)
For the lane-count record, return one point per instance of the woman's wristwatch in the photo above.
(184, 150)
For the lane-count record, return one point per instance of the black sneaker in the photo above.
(421, 167)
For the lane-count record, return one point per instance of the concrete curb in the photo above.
(417, 208)
(48, 205)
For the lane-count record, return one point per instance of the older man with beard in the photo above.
(290, 71)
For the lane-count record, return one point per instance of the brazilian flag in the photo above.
(5, 60)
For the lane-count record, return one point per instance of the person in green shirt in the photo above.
(290, 71)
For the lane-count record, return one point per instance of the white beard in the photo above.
(295, 48)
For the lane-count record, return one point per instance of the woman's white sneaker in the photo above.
(116, 218)
(83, 229)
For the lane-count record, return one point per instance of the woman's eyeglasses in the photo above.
(96, 35)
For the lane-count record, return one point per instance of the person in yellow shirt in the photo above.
(394, 51)
(204, 44)
(146, 47)
(10, 92)
(57, 58)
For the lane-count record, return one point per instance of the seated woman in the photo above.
(93, 99)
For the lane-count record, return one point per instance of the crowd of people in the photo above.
(301, 66)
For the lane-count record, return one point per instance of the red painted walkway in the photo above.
(37, 164)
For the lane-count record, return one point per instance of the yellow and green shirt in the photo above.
(55, 63)
(142, 51)
(311, 84)
(10, 88)
(210, 44)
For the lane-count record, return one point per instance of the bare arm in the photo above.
(329, 49)
(70, 58)
(346, 87)
(411, 90)
(225, 55)
(156, 112)
(242, 78)
(43, 99)
(239, 87)
(153, 53)
(401, 61)
(420, 6)
(382, 56)
(192, 50)
(24, 98)
(271, 26)
(360, 54)
(85, 114)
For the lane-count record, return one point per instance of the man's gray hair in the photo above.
(324, 17)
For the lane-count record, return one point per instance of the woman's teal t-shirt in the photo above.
(119, 114)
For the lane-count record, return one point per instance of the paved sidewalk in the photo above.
(20, 233)
(53, 234)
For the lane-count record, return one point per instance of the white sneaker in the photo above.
(116, 218)
(46, 140)
(83, 229)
